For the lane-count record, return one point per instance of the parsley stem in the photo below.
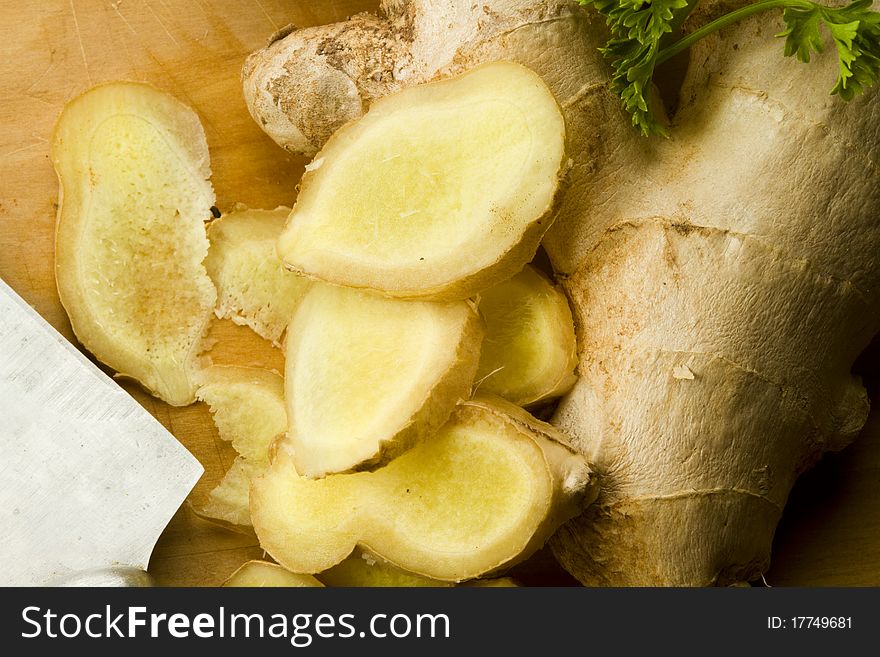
(724, 21)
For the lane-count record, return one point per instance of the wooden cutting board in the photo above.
(194, 49)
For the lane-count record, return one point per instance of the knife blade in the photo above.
(88, 478)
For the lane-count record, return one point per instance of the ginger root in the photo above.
(723, 281)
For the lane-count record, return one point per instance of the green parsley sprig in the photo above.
(640, 30)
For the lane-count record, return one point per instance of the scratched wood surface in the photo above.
(55, 49)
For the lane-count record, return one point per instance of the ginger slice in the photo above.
(259, 574)
(368, 377)
(492, 583)
(362, 569)
(133, 168)
(483, 493)
(439, 191)
(228, 502)
(253, 287)
(530, 351)
(247, 405)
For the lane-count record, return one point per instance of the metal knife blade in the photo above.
(88, 478)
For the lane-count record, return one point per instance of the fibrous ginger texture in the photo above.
(130, 235)
(247, 406)
(253, 287)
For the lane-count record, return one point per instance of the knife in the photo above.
(88, 478)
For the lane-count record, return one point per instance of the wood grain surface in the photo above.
(54, 49)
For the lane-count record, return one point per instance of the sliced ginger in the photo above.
(484, 492)
(228, 501)
(368, 377)
(493, 583)
(253, 286)
(365, 570)
(356, 571)
(254, 574)
(247, 405)
(530, 351)
(130, 238)
(439, 191)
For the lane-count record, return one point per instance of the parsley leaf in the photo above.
(636, 28)
(855, 30)
(640, 27)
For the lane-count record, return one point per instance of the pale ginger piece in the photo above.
(483, 493)
(262, 574)
(247, 406)
(368, 377)
(723, 281)
(437, 192)
(133, 168)
(362, 569)
(492, 583)
(253, 287)
(530, 351)
(228, 502)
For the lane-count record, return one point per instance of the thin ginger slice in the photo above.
(247, 406)
(530, 351)
(492, 583)
(483, 493)
(368, 377)
(356, 571)
(261, 574)
(253, 287)
(228, 501)
(130, 237)
(362, 569)
(439, 191)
